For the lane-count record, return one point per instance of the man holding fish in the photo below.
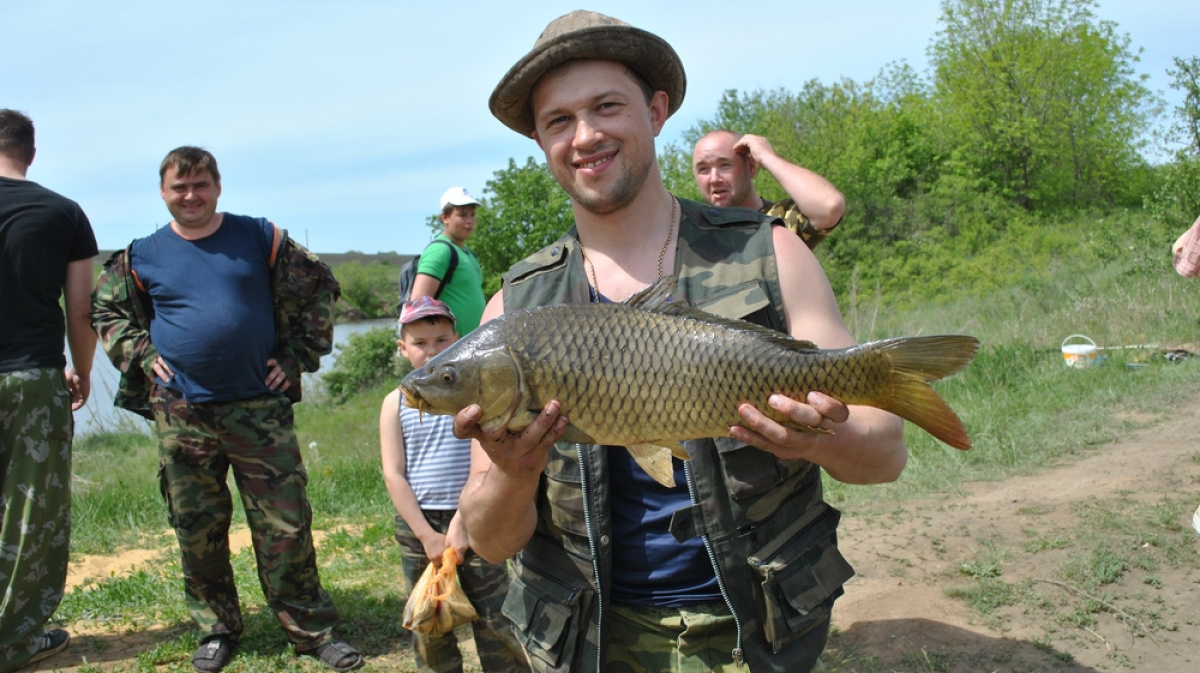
(737, 562)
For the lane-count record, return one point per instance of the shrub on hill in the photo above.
(367, 359)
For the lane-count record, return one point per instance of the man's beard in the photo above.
(626, 189)
(738, 193)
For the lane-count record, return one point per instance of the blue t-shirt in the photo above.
(212, 318)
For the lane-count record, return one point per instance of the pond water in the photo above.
(99, 414)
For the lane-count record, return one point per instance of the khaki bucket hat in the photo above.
(587, 35)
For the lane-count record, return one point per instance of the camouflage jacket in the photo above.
(764, 521)
(787, 210)
(303, 290)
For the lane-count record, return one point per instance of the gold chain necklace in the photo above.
(662, 254)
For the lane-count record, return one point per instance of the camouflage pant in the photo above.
(485, 585)
(198, 443)
(35, 506)
(675, 640)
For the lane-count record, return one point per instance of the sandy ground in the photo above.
(896, 614)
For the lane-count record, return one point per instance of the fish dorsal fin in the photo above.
(657, 297)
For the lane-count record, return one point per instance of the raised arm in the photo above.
(817, 198)
(499, 502)
(867, 444)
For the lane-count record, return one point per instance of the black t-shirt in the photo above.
(40, 233)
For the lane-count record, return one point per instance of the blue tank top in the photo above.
(651, 567)
(213, 319)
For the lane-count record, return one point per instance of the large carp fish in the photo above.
(651, 372)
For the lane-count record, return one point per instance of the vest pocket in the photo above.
(802, 573)
(547, 614)
(750, 471)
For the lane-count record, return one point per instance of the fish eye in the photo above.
(448, 375)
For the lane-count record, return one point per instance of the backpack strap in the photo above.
(449, 268)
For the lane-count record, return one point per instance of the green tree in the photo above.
(1177, 199)
(370, 289)
(1041, 100)
(874, 141)
(1186, 78)
(524, 211)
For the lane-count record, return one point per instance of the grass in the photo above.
(1024, 409)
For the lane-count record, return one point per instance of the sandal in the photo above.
(50, 643)
(337, 655)
(213, 654)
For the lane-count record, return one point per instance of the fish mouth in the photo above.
(414, 400)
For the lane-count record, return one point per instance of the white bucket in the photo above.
(1078, 355)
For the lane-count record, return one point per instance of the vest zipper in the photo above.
(587, 522)
(712, 558)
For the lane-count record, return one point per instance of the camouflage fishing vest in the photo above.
(771, 535)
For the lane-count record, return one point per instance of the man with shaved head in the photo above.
(725, 163)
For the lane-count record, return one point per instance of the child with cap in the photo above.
(425, 467)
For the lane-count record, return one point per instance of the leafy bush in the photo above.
(371, 289)
(367, 359)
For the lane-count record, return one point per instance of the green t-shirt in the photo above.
(464, 293)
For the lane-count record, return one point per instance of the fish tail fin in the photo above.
(917, 361)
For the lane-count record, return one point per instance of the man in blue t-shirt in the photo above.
(214, 289)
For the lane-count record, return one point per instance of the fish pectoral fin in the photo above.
(522, 418)
(656, 461)
(576, 436)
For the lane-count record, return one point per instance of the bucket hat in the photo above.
(587, 35)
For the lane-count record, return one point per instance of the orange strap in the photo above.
(275, 245)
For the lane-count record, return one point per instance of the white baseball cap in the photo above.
(458, 196)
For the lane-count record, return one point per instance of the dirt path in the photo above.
(897, 609)
(896, 614)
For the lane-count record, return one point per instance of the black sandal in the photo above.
(213, 654)
(337, 655)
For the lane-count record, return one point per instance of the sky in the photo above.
(343, 122)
